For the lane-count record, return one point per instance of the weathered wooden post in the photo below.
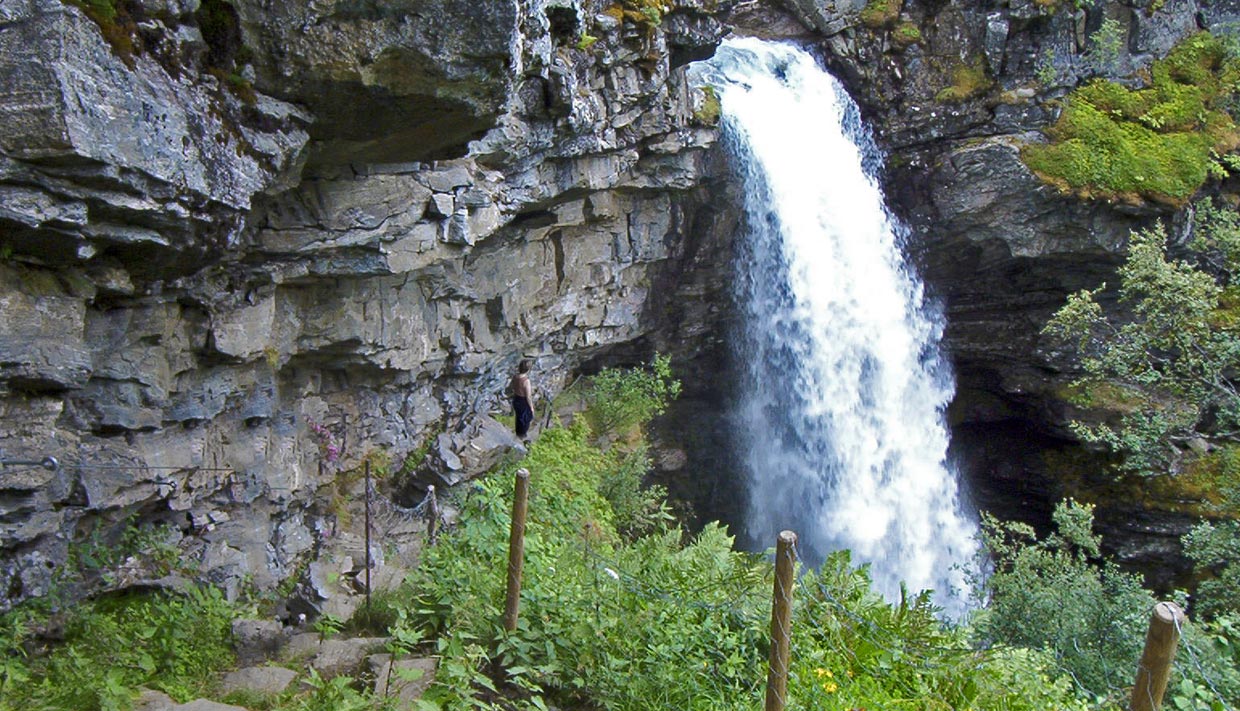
(516, 548)
(432, 513)
(368, 561)
(1155, 664)
(781, 623)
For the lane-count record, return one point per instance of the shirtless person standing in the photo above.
(522, 398)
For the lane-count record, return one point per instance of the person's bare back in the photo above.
(520, 386)
(522, 398)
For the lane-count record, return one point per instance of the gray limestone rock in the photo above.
(335, 657)
(150, 154)
(206, 705)
(404, 679)
(150, 700)
(256, 640)
(427, 75)
(268, 680)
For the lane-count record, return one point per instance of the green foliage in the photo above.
(1108, 44)
(328, 626)
(880, 13)
(851, 649)
(643, 13)
(1171, 356)
(94, 560)
(335, 694)
(621, 399)
(378, 616)
(1155, 143)
(1215, 552)
(968, 80)
(1049, 595)
(652, 622)
(1217, 242)
(112, 646)
(1091, 618)
(710, 110)
(1046, 72)
(637, 509)
(906, 33)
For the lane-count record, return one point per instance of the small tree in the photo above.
(1049, 594)
(1168, 360)
(620, 399)
(1215, 551)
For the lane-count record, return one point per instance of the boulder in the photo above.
(266, 680)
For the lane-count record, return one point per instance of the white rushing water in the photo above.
(842, 387)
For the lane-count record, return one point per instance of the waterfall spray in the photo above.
(840, 418)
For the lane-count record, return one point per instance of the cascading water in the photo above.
(842, 389)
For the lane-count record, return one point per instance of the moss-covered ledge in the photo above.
(1157, 143)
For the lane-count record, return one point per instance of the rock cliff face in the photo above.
(246, 245)
(245, 248)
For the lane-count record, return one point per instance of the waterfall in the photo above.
(839, 416)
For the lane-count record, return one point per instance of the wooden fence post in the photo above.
(368, 560)
(781, 623)
(432, 516)
(516, 548)
(1155, 664)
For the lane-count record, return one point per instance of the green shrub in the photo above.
(1107, 44)
(621, 399)
(114, 645)
(1215, 552)
(1156, 143)
(1049, 595)
(654, 622)
(1170, 353)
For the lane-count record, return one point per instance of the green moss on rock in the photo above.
(880, 13)
(905, 34)
(968, 80)
(1155, 143)
(709, 111)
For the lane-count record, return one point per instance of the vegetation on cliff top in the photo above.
(1157, 143)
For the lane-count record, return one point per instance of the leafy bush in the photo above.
(1170, 357)
(1049, 595)
(114, 645)
(1215, 551)
(620, 399)
(652, 622)
(1155, 143)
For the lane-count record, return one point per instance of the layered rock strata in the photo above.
(230, 278)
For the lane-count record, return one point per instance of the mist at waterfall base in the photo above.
(839, 415)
